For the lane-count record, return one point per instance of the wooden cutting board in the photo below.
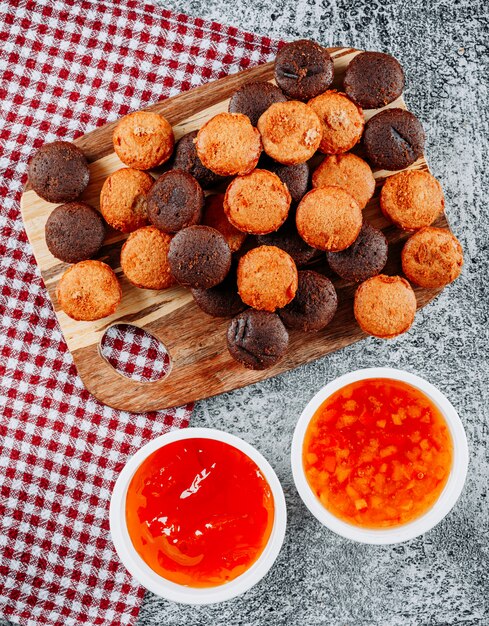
(200, 364)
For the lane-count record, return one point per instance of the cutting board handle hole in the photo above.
(134, 353)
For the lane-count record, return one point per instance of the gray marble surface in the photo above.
(443, 577)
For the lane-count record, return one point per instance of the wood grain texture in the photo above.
(200, 363)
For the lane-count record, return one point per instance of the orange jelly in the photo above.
(377, 453)
(199, 512)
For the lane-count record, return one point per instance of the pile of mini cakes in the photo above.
(242, 252)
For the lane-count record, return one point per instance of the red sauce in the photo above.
(377, 453)
(199, 512)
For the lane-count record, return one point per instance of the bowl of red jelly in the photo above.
(198, 516)
(379, 456)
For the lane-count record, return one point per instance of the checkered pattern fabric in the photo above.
(66, 67)
(135, 353)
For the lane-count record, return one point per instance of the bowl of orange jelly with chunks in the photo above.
(198, 516)
(379, 456)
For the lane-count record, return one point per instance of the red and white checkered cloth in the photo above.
(65, 67)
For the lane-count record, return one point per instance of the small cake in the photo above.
(144, 258)
(88, 291)
(215, 217)
(123, 199)
(267, 278)
(199, 257)
(432, 258)
(74, 232)
(228, 144)
(342, 121)
(373, 79)
(412, 199)
(328, 218)
(257, 339)
(175, 201)
(296, 177)
(365, 258)
(222, 300)
(287, 239)
(291, 132)
(253, 99)
(314, 305)
(143, 140)
(58, 172)
(257, 203)
(385, 306)
(187, 159)
(349, 172)
(303, 69)
(393, 139)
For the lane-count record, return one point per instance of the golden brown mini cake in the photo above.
(412, 199)
(143, 140)
(342, 121)
(88, 291)
(290, 131)
(123, 199)
(144, 258)
(228, 144)
(385, 306)
(257, 203)
(349, 172)
(267, 278)
(328, 218)
(215, 217)
(432, 258)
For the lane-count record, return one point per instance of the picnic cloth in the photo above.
(66, 67)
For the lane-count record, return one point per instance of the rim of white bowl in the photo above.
(445, 501)
(160, 586)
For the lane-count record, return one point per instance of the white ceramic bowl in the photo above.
(170, 590)
(448, 496)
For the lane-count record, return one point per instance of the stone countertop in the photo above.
(442, 577)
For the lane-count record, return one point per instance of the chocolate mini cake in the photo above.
(74, 232)
(303, 69)
(314, 305)
(222, 300)
(257, 339)
(58, 172)
(199, 257)
(187, 159)
(253, 99)
(365, 258)
(296, 177)
(288, 239)
(393, 139)
(373, 79)
(175, 201)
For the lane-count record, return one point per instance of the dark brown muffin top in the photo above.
(288, 239)
(222, 300)
(253, 99)
(373, 79)
(199, 257)
(296, 177)
(58, 172)
(74, 232)
(393, 139)
(257, 339)
(303, 69)
(175, 201)
(365, 258)
(314, 305)
(187, 159)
